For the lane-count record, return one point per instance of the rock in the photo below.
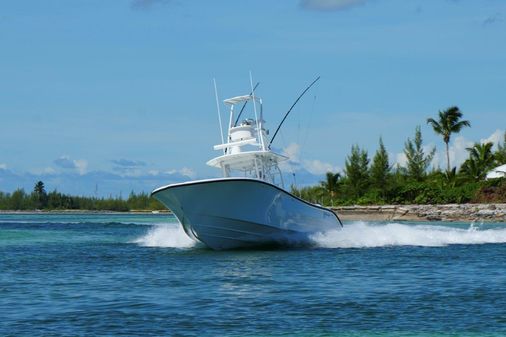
(485, 212)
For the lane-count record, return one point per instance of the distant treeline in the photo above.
(39, 199)
(379, 182)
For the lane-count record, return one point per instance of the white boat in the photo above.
(249, 205)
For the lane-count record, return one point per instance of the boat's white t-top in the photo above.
(246, 150)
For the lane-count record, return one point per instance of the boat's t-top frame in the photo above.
(246, 149)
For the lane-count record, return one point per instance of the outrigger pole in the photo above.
(293, 105)
(244, 105)
(219, 112)
(258, 121)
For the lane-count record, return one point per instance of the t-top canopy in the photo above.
(246, 160)
(238, 99)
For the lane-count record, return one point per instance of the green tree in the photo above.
(18, 200)
(481, 159)
(417, 160)
(449, 178)
(356, 171)
(380, 169)
(448, 123)
(4, 199)
(330, 185)
(40, 195)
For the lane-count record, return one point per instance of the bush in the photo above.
(493, 190)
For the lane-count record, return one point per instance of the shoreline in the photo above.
(81, 211)
(447, 212)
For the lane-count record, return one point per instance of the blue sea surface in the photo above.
(124, 274)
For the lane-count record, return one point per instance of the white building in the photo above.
(498, 172)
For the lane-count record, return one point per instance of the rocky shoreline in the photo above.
(450, 212)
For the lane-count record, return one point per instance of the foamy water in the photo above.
(361, 234)
(353, 235)
(166, 235)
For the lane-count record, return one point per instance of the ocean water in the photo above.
(109, 275)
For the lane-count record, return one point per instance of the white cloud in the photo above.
(43, 171)
(315, 167)
(330, 5)
(458, 152)
(64, 162)
(129, 172)
(185, 171)
(318, 167)
(153, 172)
(495, 138)
(49, 170)
(101, 183)
(128, 163)
(3, 166)
(137, 172)
(401, 159)
(81, 165)
(292, 152)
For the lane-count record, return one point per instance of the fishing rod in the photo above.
(244, 105)
(293, 105)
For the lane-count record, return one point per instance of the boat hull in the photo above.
(232, 213)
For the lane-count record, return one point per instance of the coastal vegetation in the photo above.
(381, 182)
(39, 199)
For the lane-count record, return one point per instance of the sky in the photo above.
(105, 97)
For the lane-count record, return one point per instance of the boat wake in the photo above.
(166, 236)
(364, 235)
(353, 235)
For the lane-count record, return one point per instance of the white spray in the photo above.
(361, 234)
(166, 235)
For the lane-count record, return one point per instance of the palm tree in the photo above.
(449, 122)
(330, 184)
(39, 188)
(481, 159)
(40, 195)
